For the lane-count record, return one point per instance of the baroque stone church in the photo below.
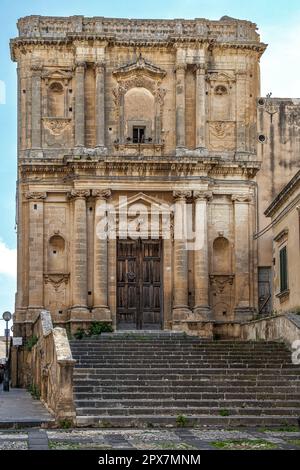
(135, 118)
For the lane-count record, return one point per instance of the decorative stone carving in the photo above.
(203, 195)
(35, 195)
(222, 135)
(56, 280)
(101, 193)
(56, 126)
(219, 281)
(79, 193)
(241, 198)
(181, 195)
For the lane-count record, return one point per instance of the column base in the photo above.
(244, 313)
(101, 314)
(181, 312)
(204, 311)
(79, 312)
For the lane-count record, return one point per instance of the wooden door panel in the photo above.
(139, 283)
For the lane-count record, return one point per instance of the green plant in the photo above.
(244, 444)
(35, 391)
(224, 413)
(31, 341)
(80, 333)
(181, 421)
(65, 423)
(96, 328)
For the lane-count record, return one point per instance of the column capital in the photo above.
(80, 64)
(102, 194)
(180, 67)
(35, 196)
(37, 69)
(181, 195)
(79, 193)
(241, 198)
(202, 195)
(100, 65)
(200, 69)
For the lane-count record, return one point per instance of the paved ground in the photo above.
(164, 439)
(18, 406)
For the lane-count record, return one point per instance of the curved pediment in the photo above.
(139, 66)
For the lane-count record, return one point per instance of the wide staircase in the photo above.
(163, 379)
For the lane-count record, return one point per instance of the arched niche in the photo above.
(221, 256)
(56, 100)
(139, 113)
(57, 256)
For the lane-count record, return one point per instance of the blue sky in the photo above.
(278, 23)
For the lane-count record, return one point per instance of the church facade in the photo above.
(137, 159)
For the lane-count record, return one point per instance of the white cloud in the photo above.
(280, 64)
(8, 260)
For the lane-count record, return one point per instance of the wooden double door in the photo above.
(139, 284)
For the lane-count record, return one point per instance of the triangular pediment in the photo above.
(144, 200)
(222, 77)
(57, 74)
(139, 66)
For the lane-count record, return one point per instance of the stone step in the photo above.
(179, 364)
(185, 403)
(177, 411)
(140, 381)
(246, 395)
(164, 420)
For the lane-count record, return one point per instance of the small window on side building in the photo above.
(283, 269)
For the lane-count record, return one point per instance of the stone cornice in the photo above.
(282, 197)
(71, 168)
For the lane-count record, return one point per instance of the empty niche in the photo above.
(221, 256)
(57, 254)
(56, 100)
(221, 103)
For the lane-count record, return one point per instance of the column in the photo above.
(180, 257)
(201, 268)
(180, 106)
(101, 310)
(36, 250)
(79, 255)
(36, 117)
(241, 112)
(100, 104)
(79, 105)
(243, 310)
(200, 106)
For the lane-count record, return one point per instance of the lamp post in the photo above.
(6, 317)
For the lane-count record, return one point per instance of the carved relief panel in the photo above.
(221, 104)
(56, 262)
(57, 108)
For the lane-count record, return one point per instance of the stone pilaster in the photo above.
(201, 270)
(200, 106)
(36, 251)
(79, 105)
(180, 257)
(180, 105)
(243, 309)
(101, 311)
(36, 116)
(241, 112)
(79, 255)
(100, 104)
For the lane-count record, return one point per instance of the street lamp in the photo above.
(6, 317)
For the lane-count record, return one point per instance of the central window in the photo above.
(138, 134)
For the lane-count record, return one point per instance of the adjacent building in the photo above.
(284, 212)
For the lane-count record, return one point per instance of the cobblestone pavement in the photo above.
(158, 439)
